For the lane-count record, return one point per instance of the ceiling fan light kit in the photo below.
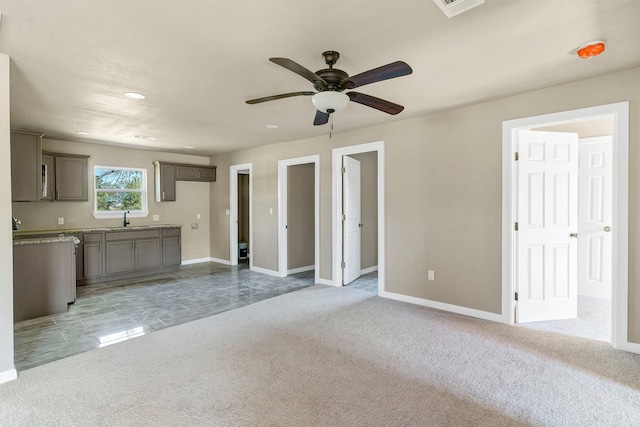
(330, 101)
(330, 82)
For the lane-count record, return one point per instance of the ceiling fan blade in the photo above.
(273, 97)
(377, 103)
(389, 71)
(322, 118)
(300, 70)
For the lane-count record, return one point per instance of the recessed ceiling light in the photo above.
(134, 95)
(81, 132)
(272, 126)
(188, 146)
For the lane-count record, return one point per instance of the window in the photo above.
(117, 190)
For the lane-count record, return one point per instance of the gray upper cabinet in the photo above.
(71, 178)
(26, 166)
(166, 175)
(165, 182)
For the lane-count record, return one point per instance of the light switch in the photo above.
(226, 212)
(198, 216)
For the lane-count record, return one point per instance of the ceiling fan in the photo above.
(331, 82)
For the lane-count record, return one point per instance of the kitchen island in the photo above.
(44, 276)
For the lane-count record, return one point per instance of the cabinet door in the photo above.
(186, 173)
(26, 166)
(92, 260)
(71, 179)
(167, 184)
(171, 252)
(147, 254)
(206, 174)
(120, 256)
(48, 178)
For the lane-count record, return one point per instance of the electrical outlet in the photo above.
(431, 275)
(60, 221)
(156, 217)
(194, 225)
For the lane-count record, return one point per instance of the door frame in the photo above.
(233, 211)
(282, 212)
(620, 220)
(336, 209)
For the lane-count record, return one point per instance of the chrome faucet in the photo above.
(125, 218)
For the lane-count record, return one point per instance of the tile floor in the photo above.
(108, 313)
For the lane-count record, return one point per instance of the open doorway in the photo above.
(524, 284)
(299, 216)
(240, 214)
(358, 216)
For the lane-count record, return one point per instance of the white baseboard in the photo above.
(9, 375)
(220, 261)
(630, 347)
(369, 270)
(301, 269)
(265, 271)
(328, 282)
(198, 261)
(444, 307)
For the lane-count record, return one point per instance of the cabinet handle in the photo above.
(163, 195)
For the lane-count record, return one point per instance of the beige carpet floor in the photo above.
(326, 356)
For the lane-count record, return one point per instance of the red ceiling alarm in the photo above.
(590, 50)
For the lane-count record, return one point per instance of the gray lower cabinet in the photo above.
(92, 255)
(112, 255)
(171, 251)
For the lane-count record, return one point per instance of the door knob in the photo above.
(607, 229)
(573, 235)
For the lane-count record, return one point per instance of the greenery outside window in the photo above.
(118, 189)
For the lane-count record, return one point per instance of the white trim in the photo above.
(265, 271)
(369, 270)
(336, 207)
(301, 269)
(233, 211)
(144, 212)
(325, 282)
(8, 375)
(220, 261)
(443, 306)
(620, 225)
(282, 211)
(199, 260)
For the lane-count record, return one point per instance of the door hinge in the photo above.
(516, 226)
(516, 296)
(517, 157)
(343, 265)
(343, 170)
(343, 217)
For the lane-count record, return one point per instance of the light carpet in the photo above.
(325, 356)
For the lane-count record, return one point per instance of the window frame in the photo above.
(143, 212)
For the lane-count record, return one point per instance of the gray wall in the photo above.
(368, 208)
(192, 197)
(6, 246)
(300, 216)
(453, 223)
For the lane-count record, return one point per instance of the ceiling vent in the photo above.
(452, 8)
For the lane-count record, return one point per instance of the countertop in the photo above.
(22, 233)
(45, 240)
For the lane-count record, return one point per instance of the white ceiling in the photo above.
(197, 61)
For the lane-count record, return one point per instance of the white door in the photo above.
(594, 217)
(547, 217)
(351, 224)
